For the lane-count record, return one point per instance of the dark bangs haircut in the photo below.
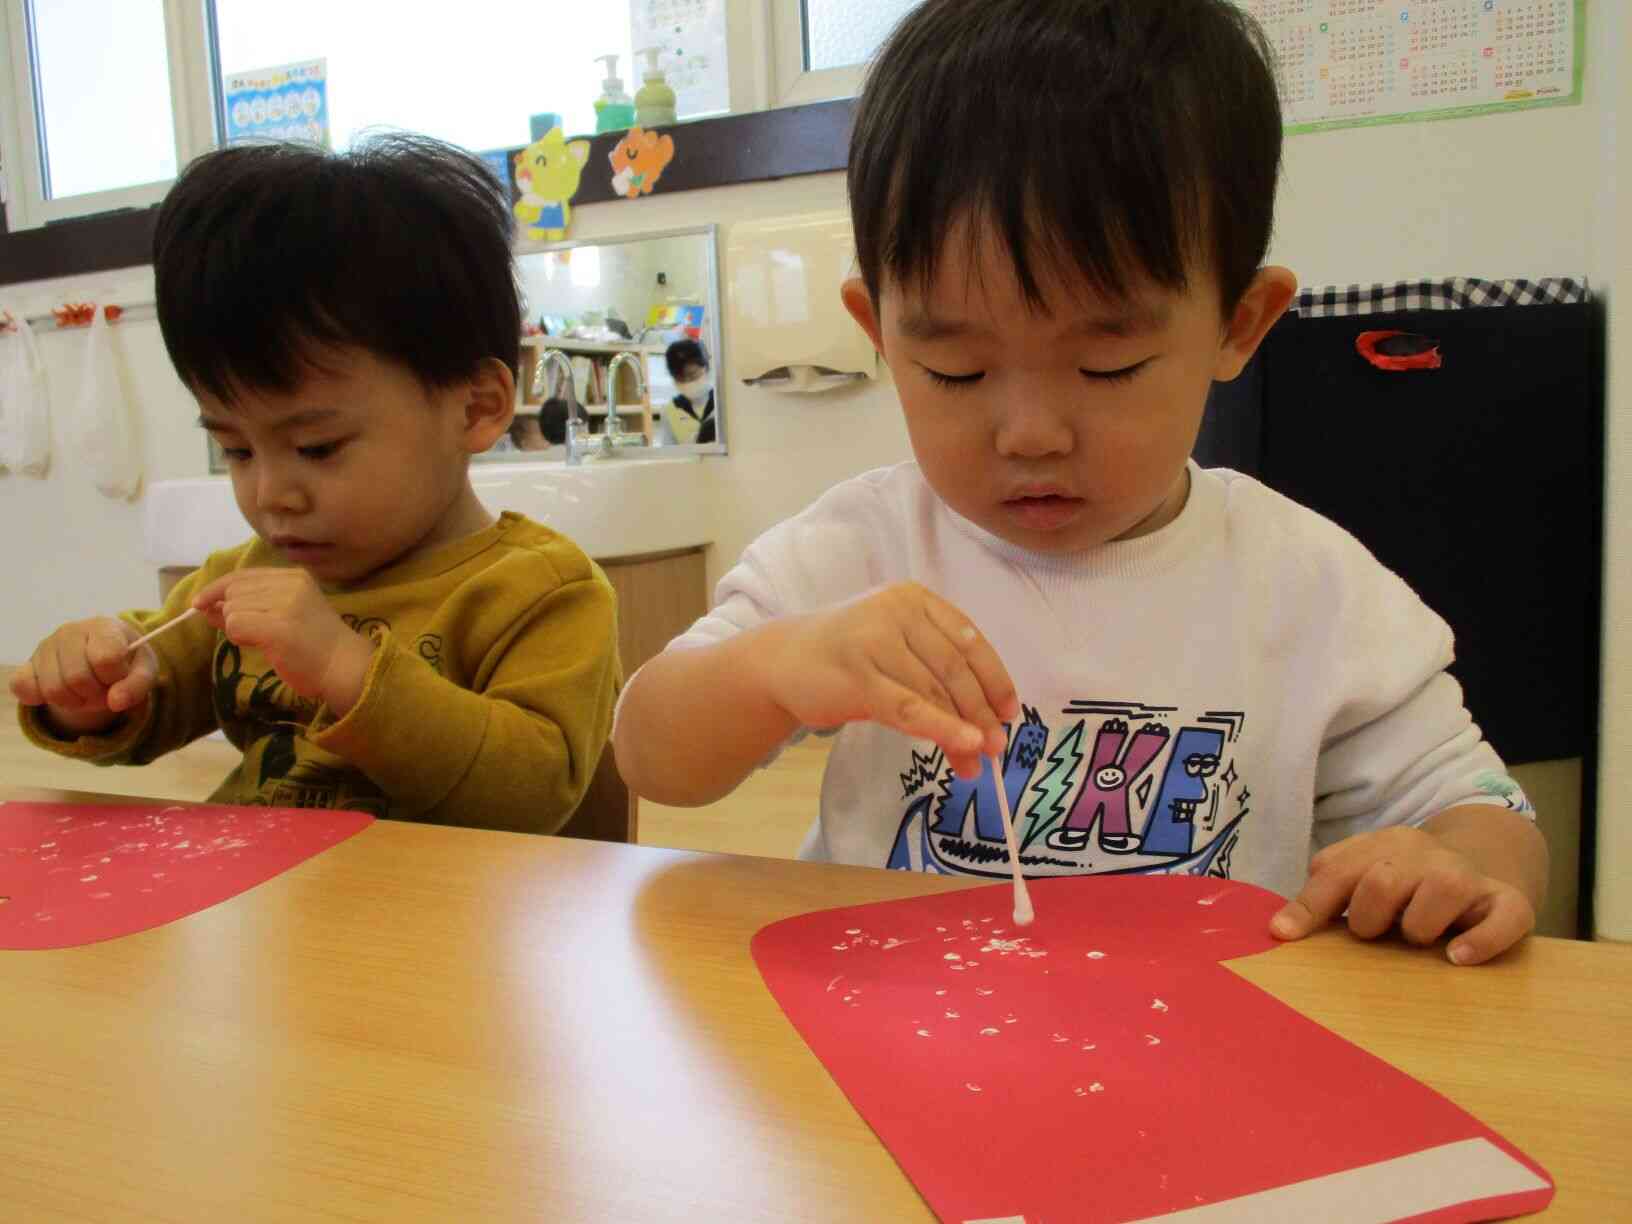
(265, 256)
(1119, 137)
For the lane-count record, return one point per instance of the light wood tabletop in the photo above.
(428, 1023)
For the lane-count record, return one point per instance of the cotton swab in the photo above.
(1023, 913)
(148, 637)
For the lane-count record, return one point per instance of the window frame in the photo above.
(188, 42)
(792, 83)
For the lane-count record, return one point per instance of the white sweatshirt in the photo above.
(1222, 697)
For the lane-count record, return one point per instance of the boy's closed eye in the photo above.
(1123, 374)
(953, 380)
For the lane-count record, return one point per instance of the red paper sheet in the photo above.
(1101, 1065)
(73, 874)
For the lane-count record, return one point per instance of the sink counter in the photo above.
(611, 508)
(646, 521)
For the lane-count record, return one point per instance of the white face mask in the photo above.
(696, 391)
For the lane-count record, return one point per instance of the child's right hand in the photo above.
(902, 657)
(85, 676)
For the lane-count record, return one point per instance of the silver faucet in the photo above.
(612, 434)
(577, 423)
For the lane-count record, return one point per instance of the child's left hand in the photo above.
(283, 614)
(1409, 878)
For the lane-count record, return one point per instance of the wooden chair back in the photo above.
(608, 812)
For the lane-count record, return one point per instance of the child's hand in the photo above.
(283, 614)
(86, 677)
(902, 657)
(1408, 877)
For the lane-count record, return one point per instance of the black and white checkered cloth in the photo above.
(1456, 293)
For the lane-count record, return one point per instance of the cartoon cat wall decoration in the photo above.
(547, 176)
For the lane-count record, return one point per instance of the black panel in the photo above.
(1232, 428)
(1479, 483)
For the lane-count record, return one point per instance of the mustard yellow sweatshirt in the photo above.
(488, 703)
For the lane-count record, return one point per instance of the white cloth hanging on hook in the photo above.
(25, 403)
(107, 425)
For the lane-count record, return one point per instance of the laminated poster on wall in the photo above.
(1347, 62)
(286, 102)
(1101, 1064)
(691, 36)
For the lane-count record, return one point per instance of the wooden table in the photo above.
(448, 1025)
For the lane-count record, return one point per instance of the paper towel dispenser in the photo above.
(789, 330)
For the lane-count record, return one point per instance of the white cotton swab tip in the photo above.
(148, 637)
(1023, 913)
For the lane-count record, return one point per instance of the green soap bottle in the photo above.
(654, 104)
(614, 109)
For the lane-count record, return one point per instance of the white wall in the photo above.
(785, 449)
(1612, 247)
(1504, 195)
(65, 549)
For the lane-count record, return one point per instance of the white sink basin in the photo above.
(613, 508)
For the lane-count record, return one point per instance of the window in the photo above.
(101, 101)
(69, 148)
(844, 33)
(122, 133)
(473, 79)
(821, 47)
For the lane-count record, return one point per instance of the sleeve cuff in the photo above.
(104, 749)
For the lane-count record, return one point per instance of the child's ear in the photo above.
(1264, 302)
(489, 405)
(860, 305)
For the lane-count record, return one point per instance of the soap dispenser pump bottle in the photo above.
(614, 109)
(654, 104)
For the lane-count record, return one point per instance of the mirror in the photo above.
(655, 296)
